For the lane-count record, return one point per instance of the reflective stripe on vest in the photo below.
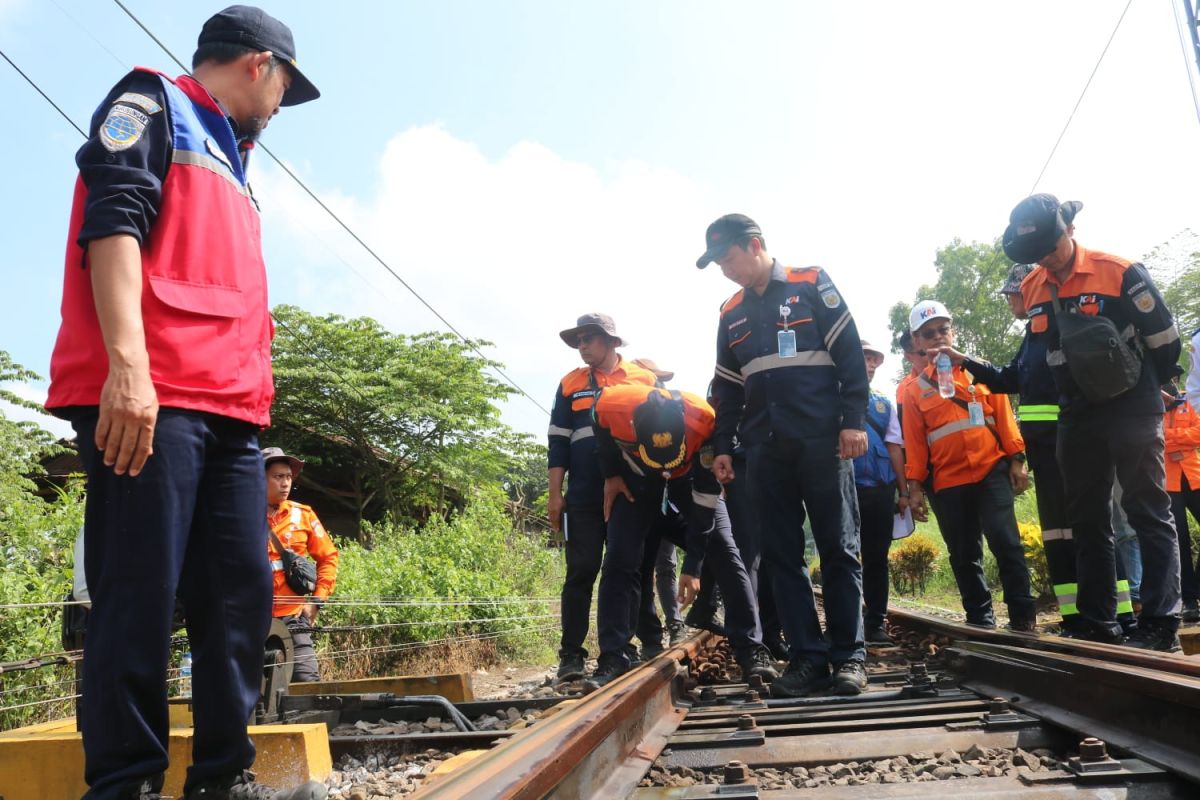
(1124, 599)
(1038, 413)
(808, 358)
(277, 565)
(1065, 593)
(1057, 535)
(955, 427)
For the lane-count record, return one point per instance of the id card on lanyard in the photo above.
(787, 338)
(975, 410)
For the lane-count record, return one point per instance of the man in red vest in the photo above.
(163, 367)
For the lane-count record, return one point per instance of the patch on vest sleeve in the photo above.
(707, 456)
(122, 128)
(1144, 302)
(141, 101)
(831, 298)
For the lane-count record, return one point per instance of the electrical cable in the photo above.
(1071, 116)
(350, 231)
(45, 96)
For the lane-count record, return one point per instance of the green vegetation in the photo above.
(444, 553)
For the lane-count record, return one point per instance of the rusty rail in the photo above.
(598, 742)
(1174, 663)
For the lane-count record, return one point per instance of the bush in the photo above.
(1035, 557)
(471, 575)
(913, 563)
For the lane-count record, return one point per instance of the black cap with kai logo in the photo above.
(724, 233)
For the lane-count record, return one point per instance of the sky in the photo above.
(520, 163)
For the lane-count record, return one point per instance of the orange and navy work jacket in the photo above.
(1105, 285)
(938, 431)
(691, 486)
(300, 531)
(571, 444)
(1181, 429)
(901, 389)
(760, 394)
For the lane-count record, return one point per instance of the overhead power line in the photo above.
(1071, 116)
(45, 96)
(333, 215)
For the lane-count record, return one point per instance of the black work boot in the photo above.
(877, 635)
(757, 662)
(1155, 635)
(850, 677)
(778, 648)
(243, 787)
(1022, 625)
(1191, 611)
(676, 633)
(609, 667)
(705, 620)
(802, 677)
(570, 665)
(650, 650)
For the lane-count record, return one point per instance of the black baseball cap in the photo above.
(1035, 226)
(723, 233)
(255, 28)
(658, 424)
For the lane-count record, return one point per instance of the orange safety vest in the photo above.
(300, 531)
(1181, 429)
(614, 412)
(937, 431)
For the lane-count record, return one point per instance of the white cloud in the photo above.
(911, 141)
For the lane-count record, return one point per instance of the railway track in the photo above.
(955, 711)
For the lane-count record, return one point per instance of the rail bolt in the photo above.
(745, 722)
(918, 670)
(1092, 749)
(752, 696)
(756, 682)
(998, 705)
(737, 772)
(708, 694)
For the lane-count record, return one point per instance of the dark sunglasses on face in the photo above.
(933, 333)
(584, 338)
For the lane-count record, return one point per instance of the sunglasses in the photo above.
(584, 338)
(933, 333)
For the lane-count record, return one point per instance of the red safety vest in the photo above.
(204, 285)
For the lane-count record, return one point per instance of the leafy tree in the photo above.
(968, 283)
(1175, 266)
(407, 423)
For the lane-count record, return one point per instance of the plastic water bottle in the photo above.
(185, 675)
(945, 375)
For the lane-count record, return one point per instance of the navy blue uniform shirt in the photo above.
(758, 394)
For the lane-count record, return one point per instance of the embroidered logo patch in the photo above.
(141, 101)
(122, 128)
(831, 299)
(662, 439)
(1144, 302)
(880, 406)
(707, 456)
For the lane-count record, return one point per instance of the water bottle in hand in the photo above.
(185, 675)
(945, 375)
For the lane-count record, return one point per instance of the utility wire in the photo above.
(1071, 116)
(38, 89)
(350, 231)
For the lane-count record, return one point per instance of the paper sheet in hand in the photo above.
(903, 525)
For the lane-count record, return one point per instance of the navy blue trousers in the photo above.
(791, 480)
(635, 529)
(193, 523)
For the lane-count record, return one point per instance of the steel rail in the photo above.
(1174, 663)
(579, 743)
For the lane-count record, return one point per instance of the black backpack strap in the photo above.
(1054, 298)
